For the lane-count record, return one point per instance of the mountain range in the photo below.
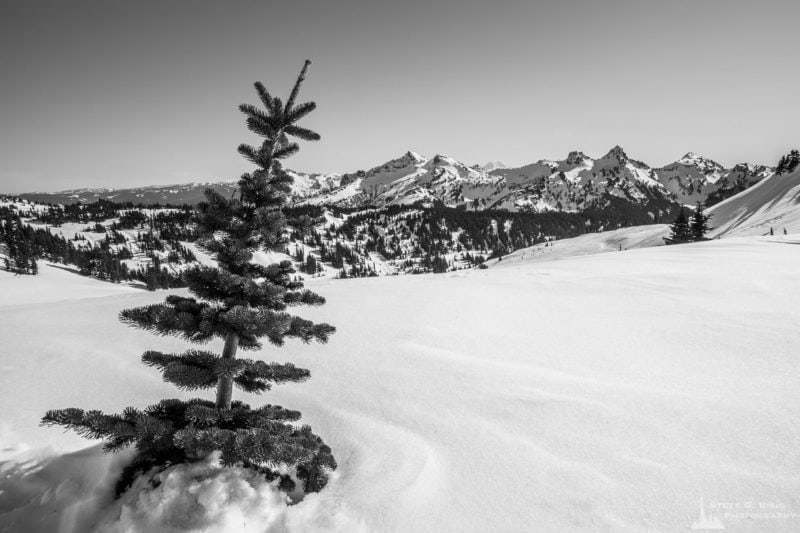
(575, 183)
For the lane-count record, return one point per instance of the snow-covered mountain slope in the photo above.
(774, 203)
(602, 393)
(580, 182)
(690, 178)
(407, 179)
(305, 185)
(575, 183)
(694, 178)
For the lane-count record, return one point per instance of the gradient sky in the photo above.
(115, 94)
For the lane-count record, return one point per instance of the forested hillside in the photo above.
(150, 245)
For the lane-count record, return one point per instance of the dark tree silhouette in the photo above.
(788, 162)
(679, 230)
(698, 226)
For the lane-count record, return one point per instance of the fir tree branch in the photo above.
(300, 111)
(285, 151)
(302, 133)
(263, 94)
(296, 89)
(182, 317)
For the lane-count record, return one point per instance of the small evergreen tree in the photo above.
(311, 264)
(240, 303)
(698, 226)
(679, 230)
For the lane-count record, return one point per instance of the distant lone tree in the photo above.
(679, 230)
(240, 303)
(698, 226)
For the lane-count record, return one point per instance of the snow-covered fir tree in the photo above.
(240, 303)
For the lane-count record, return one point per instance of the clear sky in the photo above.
(109, 93)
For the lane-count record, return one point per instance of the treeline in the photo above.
(22, 244)
(414, 238)
(491, 230)
(19, 253)
(419, 238)
(56, 215)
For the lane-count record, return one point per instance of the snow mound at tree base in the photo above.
(74, 493)
(201, 496)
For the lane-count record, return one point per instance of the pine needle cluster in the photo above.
(241, 303)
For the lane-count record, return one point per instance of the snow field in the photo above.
(601, 393)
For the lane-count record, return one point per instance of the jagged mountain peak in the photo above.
(576, 157)
(695, 159)
(441, 159)
(751, 168)
(617, 153)
(407, 159)
(414, 156)
(492, 165)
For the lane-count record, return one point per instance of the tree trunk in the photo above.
(225, 383)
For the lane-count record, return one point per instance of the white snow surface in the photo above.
(54, 283)
(608, 392)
